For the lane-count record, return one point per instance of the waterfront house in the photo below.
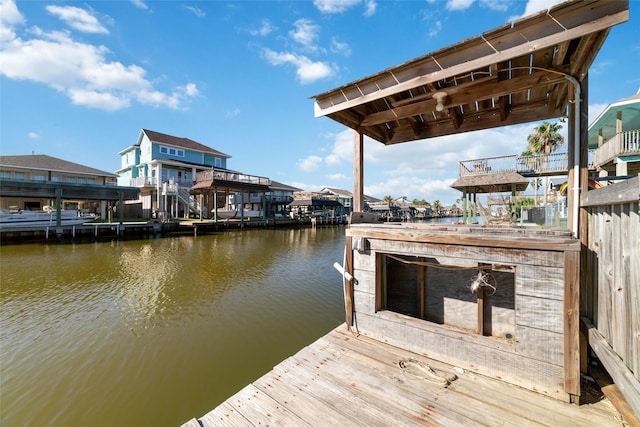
(615, 138)
(35, 181)
(164, 168)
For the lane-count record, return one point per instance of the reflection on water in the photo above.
(155, 332)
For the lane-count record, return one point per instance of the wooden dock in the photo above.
(349, 380)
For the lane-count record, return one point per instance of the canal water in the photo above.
(155, 332)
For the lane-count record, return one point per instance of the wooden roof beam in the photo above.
(465, 94)
(578, 18)
(587, 50)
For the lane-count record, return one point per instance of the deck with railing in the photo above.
(224, 175)
(622, 144)
(527, 166)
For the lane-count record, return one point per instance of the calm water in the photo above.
(155, 332)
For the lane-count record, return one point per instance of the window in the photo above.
(5, 174)
(171, 151)
(20, 175)
(218, 162)
(477, 297)
(71, 179)
(39, 177)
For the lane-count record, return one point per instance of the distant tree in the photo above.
(388, 200)
(543, 141)
(537, 183)
(436, 207)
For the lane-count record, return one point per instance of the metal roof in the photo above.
(500, 182)
(629, 108)
(513, 74)
(43, 162)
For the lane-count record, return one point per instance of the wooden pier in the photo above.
(349, 380)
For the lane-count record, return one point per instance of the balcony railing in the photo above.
(524, 165)
(223, 175)
(622, 144)
(143, 181)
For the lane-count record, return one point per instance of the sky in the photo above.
(79, 80)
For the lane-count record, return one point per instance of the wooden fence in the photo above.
(610, 290)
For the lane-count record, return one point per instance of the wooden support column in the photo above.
(484, 310)
(58, 206)
(348, 283)
(583, 221)
(572, 325)
(422, 287)
(358, 172)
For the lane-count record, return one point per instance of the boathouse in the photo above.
(469, 324)
(502, 302)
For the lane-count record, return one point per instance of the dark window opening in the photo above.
(472, 297)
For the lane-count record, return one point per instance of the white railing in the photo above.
(223, 175)
(143, 181)
(622, 144)
(531, 165)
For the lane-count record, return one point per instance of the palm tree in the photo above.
(388, 200)
(537, 183)
(543, 141)
(436, 207)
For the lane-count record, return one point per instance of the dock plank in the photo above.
(343, 379)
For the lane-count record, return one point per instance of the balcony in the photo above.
(623, 144)
(527, 166)
(143, 181)
(232, 181)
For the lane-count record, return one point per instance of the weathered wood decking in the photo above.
(346, 380)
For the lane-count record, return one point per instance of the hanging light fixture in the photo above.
(439, 97)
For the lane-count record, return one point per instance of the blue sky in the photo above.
(78, 80)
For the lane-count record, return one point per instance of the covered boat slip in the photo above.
(501, 302)
(348, 380)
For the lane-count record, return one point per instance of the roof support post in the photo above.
(358, 171)
(574, 151)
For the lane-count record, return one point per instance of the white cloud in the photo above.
(459, 4)
(342, 149)
(421, 169)
(337, 177)
(307, 71)
(81, 71)
(305, 33)
(340, 47)
(10, 17)
(370, 7)
(334, 6)
(265, 29)
(499, 5)
(435, 28)
(191, 90)
(140, 4)
(101, 100)
(534, 6)
(34, 135)
(310, 164)
(78, 19)
(196, 11)
(232, 113)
